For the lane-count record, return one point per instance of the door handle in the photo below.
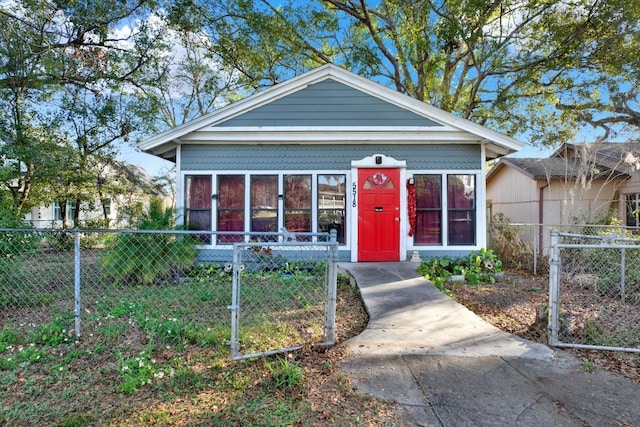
(397, 219)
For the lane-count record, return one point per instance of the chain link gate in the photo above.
(283, 296)
(594, 291)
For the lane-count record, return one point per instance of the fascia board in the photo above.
(325, 135)
(348, 78)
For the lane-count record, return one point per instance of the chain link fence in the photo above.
(526, 247)
(284, 296)
(61, 285)
(594, 291)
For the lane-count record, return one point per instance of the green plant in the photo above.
(508, 243)
(285, 374)
(137, 371)
(480, 266)
(588, 366)
(145, 258)
(54, 333)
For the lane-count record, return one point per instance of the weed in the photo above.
(77, 420)
(588, 366)
(58, 331)
(8, 337)
(136, 372)
(285, 374)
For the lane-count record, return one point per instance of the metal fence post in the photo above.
(623, 277)
(332, 287)
(554, 287)
(235, 301)
(76, 257)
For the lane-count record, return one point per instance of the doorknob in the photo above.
(397, 219)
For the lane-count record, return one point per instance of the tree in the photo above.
(67, 79)
(530, 69)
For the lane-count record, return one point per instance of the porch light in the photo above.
(378, 160)
(412, 181)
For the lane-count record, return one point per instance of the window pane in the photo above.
(198, 204)
(428, 227)
(632, 210)
(298, 221)
(461, 191)
(331, 205)
(461, 228)
(231, 192)
(198, 220)
(198, 192)
(264, 204)
(264, 192)
(428, 189)
(461, 209)
(378, 180)
(264, 220)
(230, 206)
(297, 192)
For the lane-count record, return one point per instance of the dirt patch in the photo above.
(517, 305)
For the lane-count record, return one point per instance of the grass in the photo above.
(158, 354)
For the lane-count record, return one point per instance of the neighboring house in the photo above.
(331, 150)
(125, 188)
(577, 184)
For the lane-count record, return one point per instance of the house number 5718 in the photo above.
(354, 190)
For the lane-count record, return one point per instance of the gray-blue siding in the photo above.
(329, 103)
(222, 256)
(328, 157)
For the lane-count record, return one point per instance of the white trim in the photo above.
(247, 194)
(480, 223)
(502, 144)
(387, 162)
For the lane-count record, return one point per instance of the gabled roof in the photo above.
(555, 168)
(449, 129)
(622, 156)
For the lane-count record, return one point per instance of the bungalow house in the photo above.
(121, 189)
(331, 150)
(577, 184)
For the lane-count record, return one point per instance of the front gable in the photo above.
(328, 103)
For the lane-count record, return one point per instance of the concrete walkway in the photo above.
(447, 367)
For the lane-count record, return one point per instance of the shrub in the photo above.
(146, 258)
(508, 243)
(479, 266)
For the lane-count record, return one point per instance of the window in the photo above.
(198, 204)
(428, 190)
(106, 206)
(230, 206)
(264, 205)
(331, 204)
(57, 211)
(461, 209)
(297, 203)
(632, 210)
(70, 210)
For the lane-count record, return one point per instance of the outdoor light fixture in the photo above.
(214, 197)
(280, 197)
(378, 160)
(412, 181)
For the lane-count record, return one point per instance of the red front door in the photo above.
(379, 215)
